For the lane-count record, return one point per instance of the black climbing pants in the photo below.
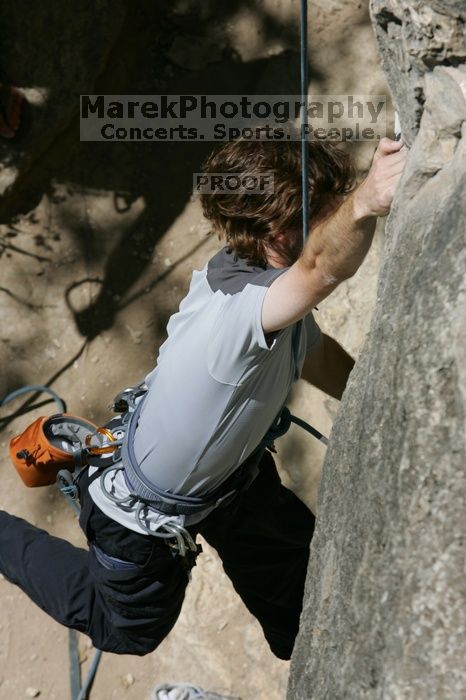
(127, 590)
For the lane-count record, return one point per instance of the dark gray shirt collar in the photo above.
(230, 274)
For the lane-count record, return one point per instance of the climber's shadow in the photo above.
(140, 62)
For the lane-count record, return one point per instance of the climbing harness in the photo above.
(175, 511)
(58, 447)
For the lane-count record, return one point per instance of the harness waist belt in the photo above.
(176, 504)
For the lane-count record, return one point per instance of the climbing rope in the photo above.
(39, 388)
(304, 119)
(78, 691)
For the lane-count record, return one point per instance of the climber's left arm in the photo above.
(328, 367)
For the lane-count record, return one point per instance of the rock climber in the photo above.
(243, 334)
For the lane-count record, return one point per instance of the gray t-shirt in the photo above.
(218, 383)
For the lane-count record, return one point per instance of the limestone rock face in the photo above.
(385, 604)
(413, 38)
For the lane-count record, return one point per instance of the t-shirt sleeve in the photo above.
(237, 336)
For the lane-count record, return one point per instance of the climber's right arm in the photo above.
(337, 246)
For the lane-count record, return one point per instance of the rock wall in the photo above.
(385, 604)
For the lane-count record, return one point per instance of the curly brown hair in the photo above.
(250, 222)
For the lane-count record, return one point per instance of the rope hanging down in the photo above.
(304, 120)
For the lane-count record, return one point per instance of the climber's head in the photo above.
(267, 226)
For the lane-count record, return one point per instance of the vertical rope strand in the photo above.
(304, 119)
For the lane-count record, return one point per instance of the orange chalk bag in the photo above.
(50, 444)
(54, 444)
